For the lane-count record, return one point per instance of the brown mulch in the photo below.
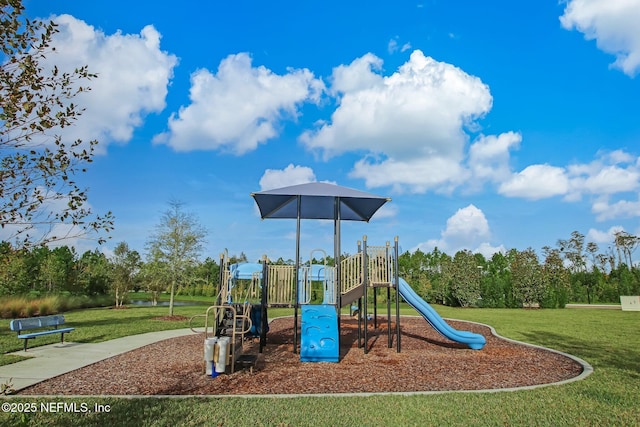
(427, 362)
(174, 318)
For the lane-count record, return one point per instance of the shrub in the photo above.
(18, 306)
(60, 303)
(31, 309)
(13, 307)
(44, 307)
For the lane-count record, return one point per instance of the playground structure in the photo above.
(248, 290)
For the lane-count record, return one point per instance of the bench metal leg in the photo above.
(25, 343)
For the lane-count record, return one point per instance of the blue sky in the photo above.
(491, 125)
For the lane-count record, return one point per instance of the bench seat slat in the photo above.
(49, 332)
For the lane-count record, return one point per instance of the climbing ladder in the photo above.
(319, 338)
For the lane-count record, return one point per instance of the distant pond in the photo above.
(166, 303)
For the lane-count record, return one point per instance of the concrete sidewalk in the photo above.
(56, 359)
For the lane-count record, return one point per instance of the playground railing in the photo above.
(351, 273)
(380, 265)
(281, 286)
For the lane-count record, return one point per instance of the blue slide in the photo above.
(474, 341)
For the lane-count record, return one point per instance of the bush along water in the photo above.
(29, 306)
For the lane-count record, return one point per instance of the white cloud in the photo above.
(612, 179)
(488, 251)
(291, 175)
(388, 210)
(357, 76)
(489, 156)
(609, 173)
(619, 156)
(393, 46)
(605, 210)
(133, 75)
(536, 182)
(614, 26)
(465, 224)
(613, 175)
(239, 107)
(419, 175)
(410, 120)
(603, 237)
(467, 229)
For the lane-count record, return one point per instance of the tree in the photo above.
(465, 278)
(592, 249)
(413, 268)
(93, 273)
(526, 273)
(627, 243)
(495, 282)
(39, 200)
(439, 266)
(557, 280)
(177, 241)
(14, 273)
(155, 277)
(573, 251)
(57, 270)
(126, 264)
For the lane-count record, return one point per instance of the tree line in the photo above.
(570, 272)
(39, 271)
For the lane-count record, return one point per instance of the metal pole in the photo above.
(359, 314)
(263, 301)
(395, 250)
(365, 283)
(375, 307)
(297, 278)
(220, 279)
(336, 258)
(387, 263)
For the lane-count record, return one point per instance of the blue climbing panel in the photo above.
(319, 341)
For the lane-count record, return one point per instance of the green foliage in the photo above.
(56, 269)
(464, 279)
(177, 242)
(423, 271)
(93, 273)
(155, 278)
(526, 273)
(625, 280)
(14, 272)
(126, 264)
(37, 168)
(560, 280)
(6, 387)
(557, 282)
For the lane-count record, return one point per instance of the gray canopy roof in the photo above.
(317, 201)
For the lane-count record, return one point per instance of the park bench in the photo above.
(42, 325)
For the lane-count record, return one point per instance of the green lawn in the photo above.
(608, 339)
